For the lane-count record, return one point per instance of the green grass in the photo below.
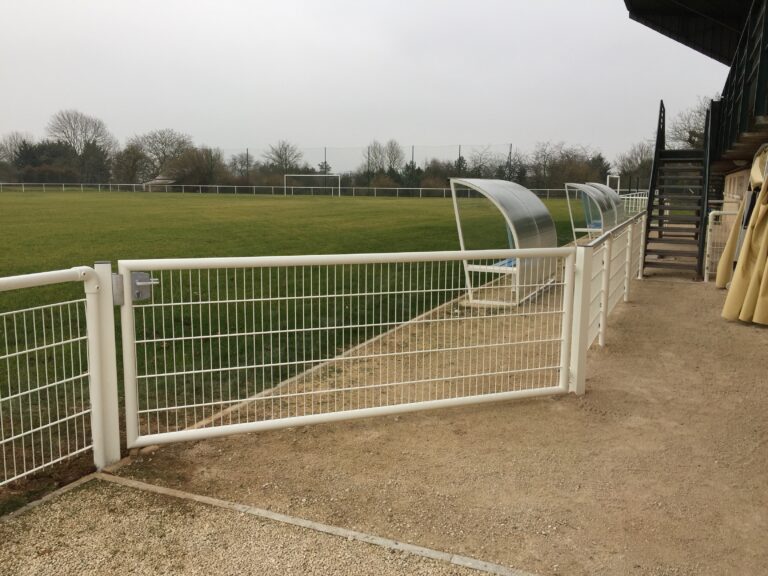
(45, 231)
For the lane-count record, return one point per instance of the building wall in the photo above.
(736, 184)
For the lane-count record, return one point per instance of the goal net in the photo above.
(312, 185)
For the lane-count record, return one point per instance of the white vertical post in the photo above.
(108, 361)
(567, 327)
(129, 360)
(102, 424)
(604, 291)
(582, 283)
(628, 261)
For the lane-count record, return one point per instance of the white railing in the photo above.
(719, 225)
(58, 387)
(214, 346)
(635, 202)
(245, 344)
(280, 190)
(604, 270)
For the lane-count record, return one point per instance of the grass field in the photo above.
(44, 231)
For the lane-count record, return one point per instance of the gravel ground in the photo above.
(659, 470)
(102, 528)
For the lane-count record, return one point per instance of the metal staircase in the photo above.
(677, 207)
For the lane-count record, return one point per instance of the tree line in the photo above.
(80, 148)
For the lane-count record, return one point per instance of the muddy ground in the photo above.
(660, 469)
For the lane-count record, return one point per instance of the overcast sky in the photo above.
(237, 73)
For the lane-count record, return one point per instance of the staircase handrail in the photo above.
(660, 144)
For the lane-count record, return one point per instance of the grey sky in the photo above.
(338, 73)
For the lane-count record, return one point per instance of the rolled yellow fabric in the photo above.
(747, 297)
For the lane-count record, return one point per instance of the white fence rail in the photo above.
(221, 345)
(244, 344)
(719, 226)
(635, 202)
(634, 198)
(57, 376)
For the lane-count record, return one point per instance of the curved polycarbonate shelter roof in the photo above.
(528, 219)
(618, 202)
(605, 204)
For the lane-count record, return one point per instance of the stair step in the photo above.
(675, 219)
(682, 166)
(674, 232)
(689, 181)
(671, 265)
(682, 152)
(679, 186)
(672, 252)
(674, 240)
(677, 204)
(678, 196)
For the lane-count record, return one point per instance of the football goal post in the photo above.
(311, 184)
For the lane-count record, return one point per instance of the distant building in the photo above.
(159, 180)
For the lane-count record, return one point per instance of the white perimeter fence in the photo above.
(215, 346)
(58, 379)
(719, 226)
(376, 192)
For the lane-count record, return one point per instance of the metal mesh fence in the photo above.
(221, 346)
(718, 229)
(44, 394)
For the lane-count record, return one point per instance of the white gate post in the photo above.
(102, 366)
(604, 291)
(580, 329)
(567, 329)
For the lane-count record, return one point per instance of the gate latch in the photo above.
(141, 285)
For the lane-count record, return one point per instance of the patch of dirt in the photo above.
(17, 494)
(660, 469)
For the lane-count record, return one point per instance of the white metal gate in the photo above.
(214, 346)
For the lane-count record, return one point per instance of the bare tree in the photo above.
(162, 147)
(374, 158)
(240, 164)
(395, 157)
(636, 162)
(687, 129)
(483, 162)
(283, 156)
(78, 130)
(10, 144)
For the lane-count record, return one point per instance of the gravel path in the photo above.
(659, 470)
(102, 528)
